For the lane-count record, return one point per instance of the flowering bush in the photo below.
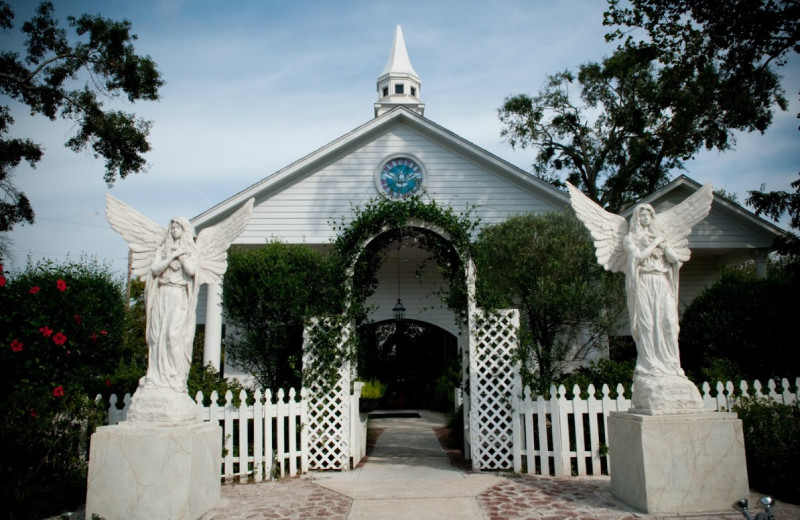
(60, 337)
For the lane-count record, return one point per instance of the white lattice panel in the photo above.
(493, 377)
(328, 412)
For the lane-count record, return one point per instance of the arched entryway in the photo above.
(488, 339)
(419, 363)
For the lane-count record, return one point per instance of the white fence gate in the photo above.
(563, 437)
(264, 436)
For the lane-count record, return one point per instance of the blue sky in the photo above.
(253, 86)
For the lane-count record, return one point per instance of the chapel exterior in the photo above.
(399, 153)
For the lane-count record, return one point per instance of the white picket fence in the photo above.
(563, 437)
(265, 436)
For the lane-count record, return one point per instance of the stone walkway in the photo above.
(408, 476)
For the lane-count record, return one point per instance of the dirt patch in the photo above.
(453, 446)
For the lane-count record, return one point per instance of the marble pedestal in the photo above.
(677, 464)
(143, 471)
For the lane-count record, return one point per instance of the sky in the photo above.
(252, 86)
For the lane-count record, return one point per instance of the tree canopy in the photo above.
(685, 76)
(62, 76)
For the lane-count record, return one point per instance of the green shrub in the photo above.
(771, 438)
(600, 372)
(373, 389)
(61, 335)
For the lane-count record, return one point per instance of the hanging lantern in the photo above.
(399, 310)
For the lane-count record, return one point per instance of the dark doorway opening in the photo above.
(418, 361)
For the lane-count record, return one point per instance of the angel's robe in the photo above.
(652, 286)
(171, 298)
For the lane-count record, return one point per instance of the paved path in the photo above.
(408, 476)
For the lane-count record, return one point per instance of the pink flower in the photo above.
(59, 339)
(2, 281)
(46, 331)
(34, 290)
(58, 391)
(78, 319)
(61, 284)
(16, 345)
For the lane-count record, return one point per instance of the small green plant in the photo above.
(373, 389)
(771, 437)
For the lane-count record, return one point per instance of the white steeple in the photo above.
(399, 84)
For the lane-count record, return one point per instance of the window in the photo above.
(385, 91)
(414, 91)
(398, 89)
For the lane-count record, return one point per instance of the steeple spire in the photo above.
(399, 84)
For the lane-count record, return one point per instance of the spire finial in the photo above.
(399, 83)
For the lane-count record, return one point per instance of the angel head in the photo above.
(643, 219)
(180, 233)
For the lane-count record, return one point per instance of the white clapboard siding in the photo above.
(301, 211)
(565, 437)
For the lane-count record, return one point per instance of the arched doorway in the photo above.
(418, 362)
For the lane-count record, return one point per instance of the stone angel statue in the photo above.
(173, 265)
(650, 251)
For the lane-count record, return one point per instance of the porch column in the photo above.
(760, 256)
(212, 349)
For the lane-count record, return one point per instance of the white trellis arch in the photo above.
(491, 379)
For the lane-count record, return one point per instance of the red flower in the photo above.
(104, 332)
(2, 281)
(77, 319)
(61, 284)
(93, 337)
(34, 290)
(108, 382)
(59, 339)
(46, 331)
(34, 414)
(16, 345)
(58, 391)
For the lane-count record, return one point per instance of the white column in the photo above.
(212, 350)
(760, 256)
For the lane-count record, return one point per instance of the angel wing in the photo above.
(142, 234)
(677, 222)
(212, 244)
(607, 229)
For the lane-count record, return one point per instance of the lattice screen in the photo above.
(493, 376)
(328, 413)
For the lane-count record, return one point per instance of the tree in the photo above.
(268, 294)
(47, 80)
(695, 74)
(775, 204)
(725, 51)
(545, 265)
(616, 144)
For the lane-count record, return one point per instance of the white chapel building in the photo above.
(400, 152)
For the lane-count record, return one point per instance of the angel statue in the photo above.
(650, 251)
(173, 266)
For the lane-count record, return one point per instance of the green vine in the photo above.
(361, 246)
(382, 221)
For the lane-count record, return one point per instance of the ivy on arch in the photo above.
(439, 229)
(360, 245)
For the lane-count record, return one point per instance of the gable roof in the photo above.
(686, 186)
(341, 146)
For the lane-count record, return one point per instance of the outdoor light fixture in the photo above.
(398, 309)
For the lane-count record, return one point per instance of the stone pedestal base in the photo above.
(690, 463)
(141, 472)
